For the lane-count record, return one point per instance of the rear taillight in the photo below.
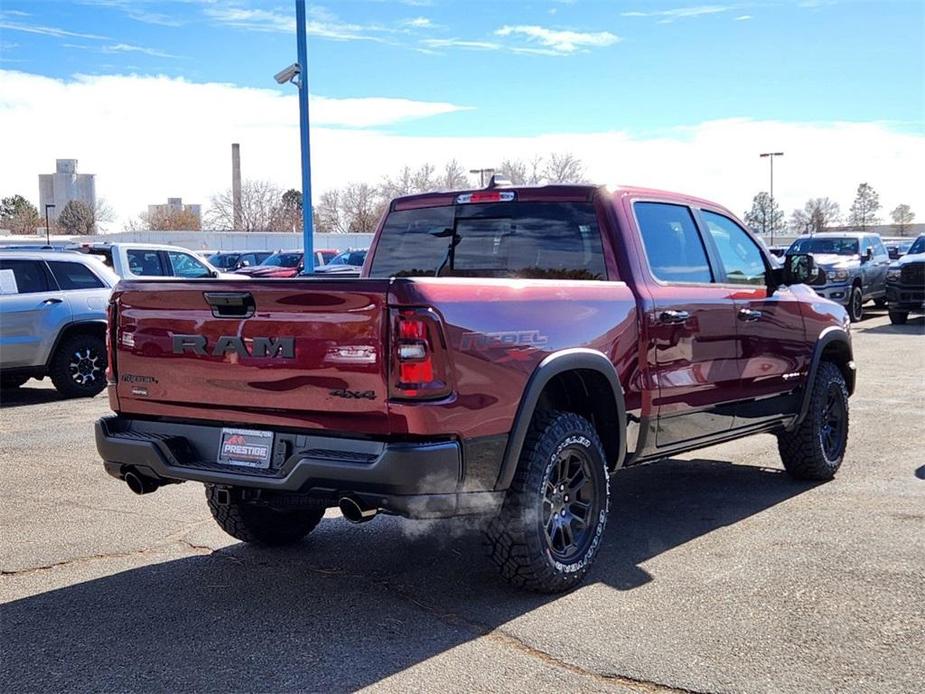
(419, 363)
(112, 331)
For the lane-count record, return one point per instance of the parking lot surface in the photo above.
(718, 573)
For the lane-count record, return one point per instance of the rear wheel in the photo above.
(899, 317)
(552, 522)
(78, 368)
(855, 304)
(816, 448)
(259, 524)
(11, 382)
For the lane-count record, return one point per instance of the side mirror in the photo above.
(869, 254)
(244, 263)
(799, 268)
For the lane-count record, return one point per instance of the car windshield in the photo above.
(223, 261)
(837, 246)
(284, 260)
(918, 246)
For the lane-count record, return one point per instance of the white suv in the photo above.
(53, 320)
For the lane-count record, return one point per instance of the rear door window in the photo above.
(673, 245)
(145, 263)
(31, 275)
(506, 239)
(74, 275)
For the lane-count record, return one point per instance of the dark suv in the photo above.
(905, 283)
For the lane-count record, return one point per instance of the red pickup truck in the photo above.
(504, 352)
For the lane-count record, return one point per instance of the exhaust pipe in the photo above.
(356, 511)
(140, 484)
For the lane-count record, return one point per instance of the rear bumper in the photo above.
(416, 479)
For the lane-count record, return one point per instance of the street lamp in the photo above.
(481, 173)
(297, 74)
(771, 155)
(47, 228)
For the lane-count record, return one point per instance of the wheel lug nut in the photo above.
(562, 512)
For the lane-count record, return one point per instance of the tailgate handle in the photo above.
(231, 304)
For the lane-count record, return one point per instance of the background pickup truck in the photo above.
(504, 351)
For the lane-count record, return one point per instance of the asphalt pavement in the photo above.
(718, 573)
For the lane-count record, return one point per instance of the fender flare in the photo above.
(827, 337)
(553, 365)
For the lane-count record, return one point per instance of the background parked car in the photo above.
(229, 261)
(53, 320)
(325, 256)
(349, 262)
(854, 264)
(905, 283)
(897, 248)
(130, 260)
(281, 264)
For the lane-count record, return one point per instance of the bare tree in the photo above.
(361, 207)
(329, 217)
(454, 176)
(863, 214)
(902, 216)
(423, 180)
(166, 219)
(395, 187)
(260, 208)
(564, 167)
(817, 215)
(515, 170)
(289, 212)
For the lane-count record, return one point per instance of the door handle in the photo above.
(673, 317)
(52, 301)
(749, 315)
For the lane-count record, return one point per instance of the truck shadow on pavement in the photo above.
(20, 397)
(349, 607)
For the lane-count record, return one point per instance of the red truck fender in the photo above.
(834, 344)
(608, 403)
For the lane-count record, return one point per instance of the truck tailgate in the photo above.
(277, 352)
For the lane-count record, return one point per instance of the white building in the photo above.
(63, 186)
(175, 205)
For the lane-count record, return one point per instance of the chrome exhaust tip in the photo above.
(355, 511)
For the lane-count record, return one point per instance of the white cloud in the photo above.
(148, 138)
(559, 41)
(681, 12)
(43, 30)
(743, 18)
(132, 48)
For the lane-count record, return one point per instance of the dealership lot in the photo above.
(718, 573)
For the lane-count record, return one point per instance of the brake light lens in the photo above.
(486, 196)
(112, 330)
(418, 355)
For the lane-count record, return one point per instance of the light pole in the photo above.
(47, 229)
(297, 74)
(481, 173)
(771, 155)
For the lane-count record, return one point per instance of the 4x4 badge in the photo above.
(354, 394)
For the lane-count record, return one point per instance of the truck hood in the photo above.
(908, 260)
(831, 261)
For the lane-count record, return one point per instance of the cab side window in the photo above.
(739, 254)
(673, 245)
(145, 263)
(74, 276)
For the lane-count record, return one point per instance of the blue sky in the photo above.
(522, 67)
(681, 95)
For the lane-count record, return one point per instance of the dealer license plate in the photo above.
(246, 447)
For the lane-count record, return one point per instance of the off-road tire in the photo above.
(261, 525)
(803, 451)
(12, 382)
(899, 317)
(516, 540)
(92, 350)
(855, 304)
